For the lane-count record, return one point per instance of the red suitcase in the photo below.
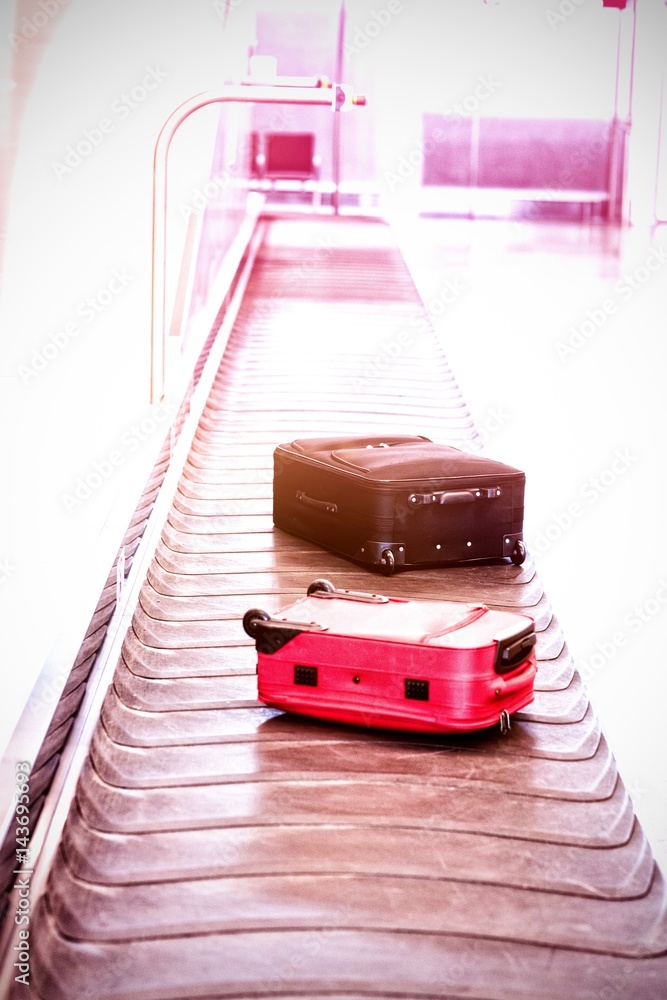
(392, 663)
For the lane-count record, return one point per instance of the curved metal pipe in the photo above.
(314, 95)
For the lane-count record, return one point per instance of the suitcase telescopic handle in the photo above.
(326, 505)
(455, 496)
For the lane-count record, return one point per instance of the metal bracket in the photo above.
(288, 623)
(272, 634)
(352, 595)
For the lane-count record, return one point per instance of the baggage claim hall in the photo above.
(333, 581)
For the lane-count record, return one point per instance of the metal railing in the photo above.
(338, 97)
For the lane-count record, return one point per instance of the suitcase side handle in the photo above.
(455, 496)
(327, 505)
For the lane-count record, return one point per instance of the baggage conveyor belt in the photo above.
(216, 847)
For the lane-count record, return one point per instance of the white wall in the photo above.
(76, 293)
(509, 60)
(646, 176)
(546, 59)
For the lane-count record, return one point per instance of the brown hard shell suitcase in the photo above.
(399, 501)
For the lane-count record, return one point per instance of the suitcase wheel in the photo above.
(319, 586)
(518, 553)
(252, 618)
(387, 562)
